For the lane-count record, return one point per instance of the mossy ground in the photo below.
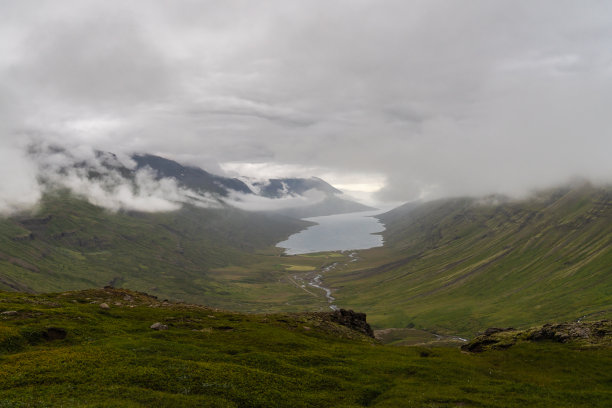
(209, 357)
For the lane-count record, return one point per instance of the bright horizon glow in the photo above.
(347, 182)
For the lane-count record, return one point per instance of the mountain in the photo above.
(330, 201)
(119, 348)
(191, 177)
(197, 248)
(69, 244)
(277, 188)
(461, 265)
(113, 182)
(330, 205)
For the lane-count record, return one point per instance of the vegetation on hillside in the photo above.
(71, 244)
(452, 267)
(96, 348)
(462, 265)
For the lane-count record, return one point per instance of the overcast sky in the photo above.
(415, 98)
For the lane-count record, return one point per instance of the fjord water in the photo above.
(337, 233)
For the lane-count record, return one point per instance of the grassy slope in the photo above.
(207, 357)
(460, 266)
(193, 254)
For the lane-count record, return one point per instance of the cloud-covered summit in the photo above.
(149, 183)
(432, 97)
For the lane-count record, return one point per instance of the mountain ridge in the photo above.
(463, 264)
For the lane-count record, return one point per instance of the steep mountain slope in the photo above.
(112, 181)
(460, 265)
(71, 244)
(333, 201)
(198, 180)
(276, 188)
(96, 348)
(191, 177)
(330, 205)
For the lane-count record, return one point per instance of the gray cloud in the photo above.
(440, 98)
(251, 202)
(74, 169)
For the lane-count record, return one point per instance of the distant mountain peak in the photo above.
(150, 182)
(191, 177)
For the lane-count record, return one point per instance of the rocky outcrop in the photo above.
(353, 320)
(588, 334)
(344, 323)
(159, 326)
(565, 332)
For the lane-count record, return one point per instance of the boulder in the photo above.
(9, 313)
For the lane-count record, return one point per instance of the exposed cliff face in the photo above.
(588, 334)
(348, 318)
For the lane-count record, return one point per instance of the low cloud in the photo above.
(437, 98)
(144, 193)
(110, 181)
(251, 202)
(102, 179)
(19, 187)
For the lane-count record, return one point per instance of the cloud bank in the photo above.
(102, 179)
(435, 98)
(113, 182)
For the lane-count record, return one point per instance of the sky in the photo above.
(388, 100)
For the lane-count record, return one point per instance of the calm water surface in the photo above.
(336, 233)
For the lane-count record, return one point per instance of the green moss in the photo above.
(10, 339)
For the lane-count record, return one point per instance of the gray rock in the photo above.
(9, 313)
(159, 326)
(104, 306)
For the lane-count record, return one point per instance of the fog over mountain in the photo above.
(400, 99)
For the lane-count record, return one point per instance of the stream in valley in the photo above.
(315, 279)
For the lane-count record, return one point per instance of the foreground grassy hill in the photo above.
(95, 348)
(461, 265)
(68, 244)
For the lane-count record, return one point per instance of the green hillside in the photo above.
(71, 350)
(453, 266)
(70, 244)
(461, 265)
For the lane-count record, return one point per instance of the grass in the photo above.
(452, 267)
(299, 268)
(459, 266)
(324, 255)
(211, 357)
(221, 257)
(405, 337)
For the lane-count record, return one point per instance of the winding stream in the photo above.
(317, 283)
(315, 280)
